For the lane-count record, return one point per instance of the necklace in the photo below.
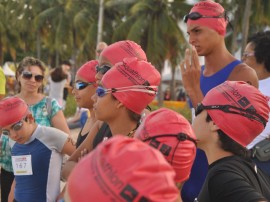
(131, 133)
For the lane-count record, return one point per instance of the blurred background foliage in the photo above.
(58, 30)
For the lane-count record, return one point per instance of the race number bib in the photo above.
(22, 165)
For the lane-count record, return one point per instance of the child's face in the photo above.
(18, 132)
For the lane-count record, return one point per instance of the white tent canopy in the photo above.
(7, 70)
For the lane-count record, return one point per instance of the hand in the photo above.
(191, 71)
(84, 152)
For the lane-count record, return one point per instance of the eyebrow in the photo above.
(193, 29)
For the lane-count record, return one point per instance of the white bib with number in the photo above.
(22, 165)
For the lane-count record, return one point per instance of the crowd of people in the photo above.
(125, 151)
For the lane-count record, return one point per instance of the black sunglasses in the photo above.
(196, 16)
(102, 69)
(79, 85)
(29, 75)
(249, 113)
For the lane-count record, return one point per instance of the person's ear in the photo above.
(213, 126)
(30, 118)
(119, 104)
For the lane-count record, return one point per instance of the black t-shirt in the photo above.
(103, 133)
(234, 179)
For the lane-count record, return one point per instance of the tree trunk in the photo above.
(160, 91)
(235, 32)
(172, 84)
(1, 51)
(245, 28)
(38, 45)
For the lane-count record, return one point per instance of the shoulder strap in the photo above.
(49, 106)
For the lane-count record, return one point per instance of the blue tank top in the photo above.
(207, 83)
(192, 187)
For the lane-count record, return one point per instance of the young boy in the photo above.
(230, 116)
(36, 153)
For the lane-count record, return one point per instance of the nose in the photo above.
(13, 135)
(33, 78)
(191, 40)
(73, 91)
(94, 97)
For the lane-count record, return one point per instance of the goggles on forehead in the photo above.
(249, 113)
(79, 85)
(197, 15)
(179, 136)
(165, 150)
(138, 88)
(16, 127)
(102, 69)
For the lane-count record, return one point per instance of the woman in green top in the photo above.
(30, 74)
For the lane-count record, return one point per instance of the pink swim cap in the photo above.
(117, 51)
(122, 169)
(129, 73)
(12, 110)
(173, 136)
(210, 8)
(88, 71)
(251, 106)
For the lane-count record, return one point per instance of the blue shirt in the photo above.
(44, 147)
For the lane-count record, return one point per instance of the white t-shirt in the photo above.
(56, 90)
(264, 87)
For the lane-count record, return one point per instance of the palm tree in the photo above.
(153, 24)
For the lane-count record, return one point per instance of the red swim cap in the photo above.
(12, 110)
(132, 72)
(242, 128)
(117, 51)
(88, 71)
(169, 132)
(122, 169)
(210, 8)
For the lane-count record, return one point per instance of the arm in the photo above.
(11, 193)
(59, 121)
(191, 71)
(86, 145)
(76, 116)
(69, 147)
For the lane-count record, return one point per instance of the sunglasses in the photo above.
(29, 75)
(245, 55)
(102, 69)
(196, 16)
(16, 127)
(147, 89)
(249, 113)
(79, 85)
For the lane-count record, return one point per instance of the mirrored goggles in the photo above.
(102, 69)
(249, 113)
(28, 75)
(147, 89)
(196, 16)
(16, 127)
(79, 85)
